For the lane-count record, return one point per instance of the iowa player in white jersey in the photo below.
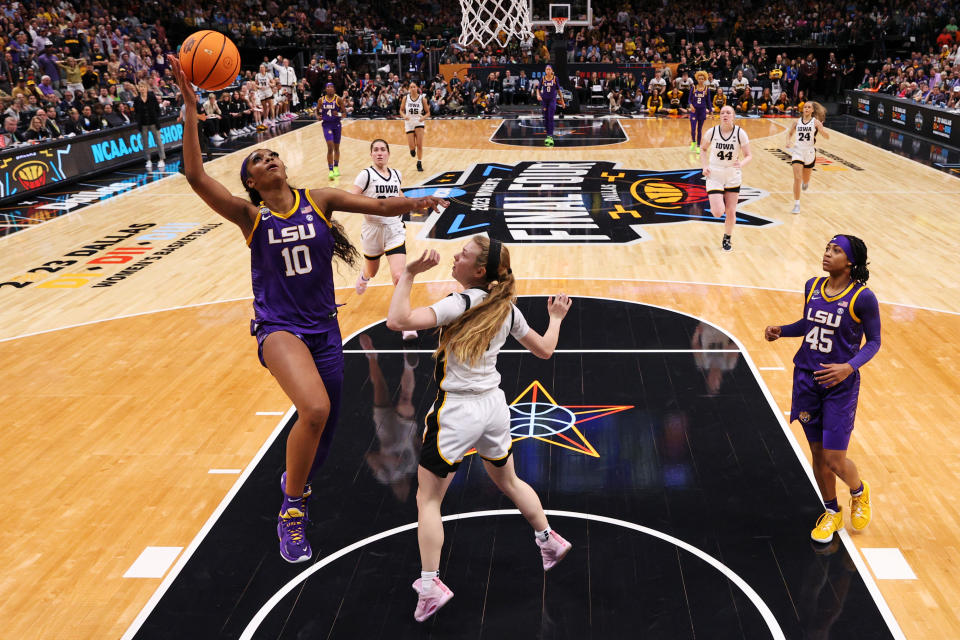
(470, 405)
(414, 108)
(803, 150)
(727, 151)
(379, 235)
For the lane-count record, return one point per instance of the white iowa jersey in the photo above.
(263, 83)
(724, 151)
(806, 134)
(413, 109)
(374, 184)
(454, 376)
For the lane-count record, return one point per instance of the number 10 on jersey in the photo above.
(297, 260)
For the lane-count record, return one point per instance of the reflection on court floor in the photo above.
(651, 443)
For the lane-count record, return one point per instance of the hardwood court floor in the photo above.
(120, 419)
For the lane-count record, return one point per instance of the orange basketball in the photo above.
(210, 60)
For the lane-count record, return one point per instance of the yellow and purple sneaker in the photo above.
(291, 525)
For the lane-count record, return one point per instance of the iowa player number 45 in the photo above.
(819, 339)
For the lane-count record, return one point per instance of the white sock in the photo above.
(426, 580)
(544, 535)
(796, 203)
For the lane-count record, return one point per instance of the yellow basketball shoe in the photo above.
(827, 525)
(860, 511)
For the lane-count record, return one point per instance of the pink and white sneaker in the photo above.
(409, 335)
(553, 550)
(430, 603)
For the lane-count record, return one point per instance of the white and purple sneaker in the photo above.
(294, 546)
(307, 492)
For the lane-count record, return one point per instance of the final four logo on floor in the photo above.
(568, 202)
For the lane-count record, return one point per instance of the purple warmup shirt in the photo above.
(330, 111)
(699, 100)
(833, 327)
(548, 90)
(291, 258)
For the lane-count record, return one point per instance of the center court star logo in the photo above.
(535, 414)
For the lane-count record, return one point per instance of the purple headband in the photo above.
(844, 243)
(243, 168)
(330, 84)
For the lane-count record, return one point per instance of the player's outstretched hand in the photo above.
(557, 306)
(429, 203)
(186, 88)
(425, 262)
(771, 333)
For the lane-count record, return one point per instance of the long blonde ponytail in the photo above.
(819, 111)
(468, 337)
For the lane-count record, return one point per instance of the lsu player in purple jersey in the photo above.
(698, 103)
(839, 310)
(331, 112)
(293, 241)
(548, 93)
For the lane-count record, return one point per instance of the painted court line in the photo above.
(771, 621)
(182, 562)
(153, 562)
(888, 564)
(225, 472)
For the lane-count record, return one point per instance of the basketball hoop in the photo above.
(486, 21)
(558, 22)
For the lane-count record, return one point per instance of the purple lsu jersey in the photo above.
(548, 90)
(330, 110)
(291, 258)
(699, 100)
(832, 332)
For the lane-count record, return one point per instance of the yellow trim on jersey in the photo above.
(256, 223)
(293, 210)
(509, 449)
(853, 301)
(813, 287)
(439, 391)
(316, 208)
(823, 291)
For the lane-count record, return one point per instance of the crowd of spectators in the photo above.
(932, 80)
(67, 70)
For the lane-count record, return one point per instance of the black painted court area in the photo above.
(700, 456)
(567, 132)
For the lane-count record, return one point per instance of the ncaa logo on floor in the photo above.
(586, 202)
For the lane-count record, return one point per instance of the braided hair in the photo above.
(858, 268)
(342, 247)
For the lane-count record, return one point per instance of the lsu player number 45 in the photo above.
(838, 312)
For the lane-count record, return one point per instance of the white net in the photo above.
(488, 21)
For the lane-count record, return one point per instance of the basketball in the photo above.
(210, 60)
